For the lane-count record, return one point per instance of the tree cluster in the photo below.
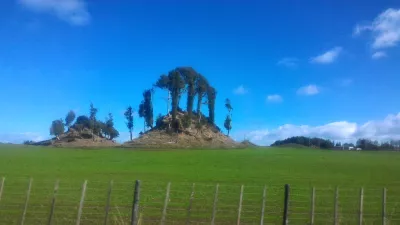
(306, 141)
(102, 129)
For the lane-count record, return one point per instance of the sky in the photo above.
(316, 68)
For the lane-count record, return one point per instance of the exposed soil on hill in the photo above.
(74, 138)
(193, 136)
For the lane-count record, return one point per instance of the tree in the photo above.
(164, 83)
(69, 118)
(109, 129)
(142, 114)
(228, 105)
(82, 122)
(175, 87)
(228, 124)
(57, 128)
(201, 90)
(129, 120)
(94, 127)
(148, 108)
(189, 75)
(212, 95)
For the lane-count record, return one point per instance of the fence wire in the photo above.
(187, 203)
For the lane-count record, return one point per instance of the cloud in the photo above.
(274, 98)
(288, 62)
(327, 57)
(344, 131)
(378, 55)
(71, 11)
(308, 90)
(385, 29)
(241, 90)
(19, 138)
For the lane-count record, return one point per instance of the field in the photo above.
(253, 168)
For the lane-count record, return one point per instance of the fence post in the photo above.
(384, 206)
(135, 205)
(164, 213)
(107, 209)
(336, 206)
(190, 205)
(28, 193)
(78, 218)
(286, 205)
(240, 205)
(53, 202)
(361, 206)
(263, 205)
(312, 214)
(3, 179)
(215, 205)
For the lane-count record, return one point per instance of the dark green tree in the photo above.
(201, 91)
(129, 120)
(148, 108)
(228, 124)
(228, 105)
(57, 128)
(177, 84)
(142, 114)
(93, 120)
(164, 83)
(69, 118)
(109, 129)
(212, 95)
(190, 77)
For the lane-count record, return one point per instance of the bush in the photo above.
(186, 121)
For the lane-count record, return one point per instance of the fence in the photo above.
(137, 203)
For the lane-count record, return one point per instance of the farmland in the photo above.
(253, 168)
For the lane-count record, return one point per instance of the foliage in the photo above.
(228, 124)
(186, 121)
(129, 120)
(159, 122)
(93, 120)
(228, 105)
(190, 76)
(82, 122)
(301, 140)
(212, 95)
(148, 108)
(201, 90)
(69, 118)
(176, 86)
(57, 128)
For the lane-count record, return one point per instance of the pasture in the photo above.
(253, 168)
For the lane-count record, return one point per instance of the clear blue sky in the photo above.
(323, 64)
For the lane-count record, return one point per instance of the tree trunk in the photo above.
(130, 134)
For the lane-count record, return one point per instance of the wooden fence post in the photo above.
(263, 205)
(53, 202)
(384, 206)
(107, 209)
(215, 205)
(336, 207)
(78, 218)
(312, 213)
(240, 204)
(190, 205)
(135, 206)
(361, 206)
(3, 179)
(164, 212)
(28, 193)
(286, 205)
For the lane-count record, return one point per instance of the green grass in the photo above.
(254, 168)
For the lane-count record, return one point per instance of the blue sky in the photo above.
(315, 68)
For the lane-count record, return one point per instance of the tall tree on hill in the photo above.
(57, 128)
(142, 114)
(164, 83)
(129, 120)
(109, 127)
(148, 108)
(189, 75)
(201, 91)
(212, 95)
(69, 118)
(228, 120)
(93, 120)
(176, 86)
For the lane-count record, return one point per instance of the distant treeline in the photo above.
(363, 143)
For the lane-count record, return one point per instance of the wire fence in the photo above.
(30, 201)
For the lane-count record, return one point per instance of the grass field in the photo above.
(253, 168)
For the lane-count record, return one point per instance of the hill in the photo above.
(186, 133)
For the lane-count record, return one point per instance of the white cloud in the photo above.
(385, 29)
(71, 11)
(241, 90)
(288, 62)
(378, 55)
(274, 98)
(19, 138)
(308, 90)
(327, 57)
(343, 131)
